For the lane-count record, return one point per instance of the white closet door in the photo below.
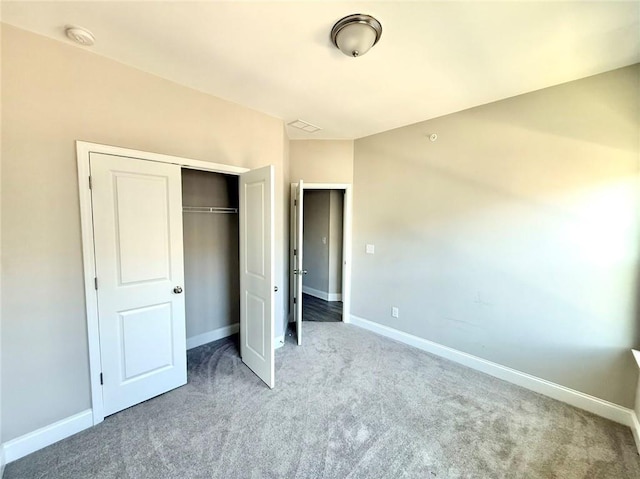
(137, 213)
(257, 272)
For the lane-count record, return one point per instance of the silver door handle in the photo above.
(177, 290)
(304, 271)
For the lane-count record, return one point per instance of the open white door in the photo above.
(137, 218)
(257, 272)
(299, 270)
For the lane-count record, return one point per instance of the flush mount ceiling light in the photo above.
(80, 35)
(355, 34)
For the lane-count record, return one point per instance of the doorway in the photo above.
(322, 240)
(328, 290)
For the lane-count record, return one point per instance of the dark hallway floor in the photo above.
(316, 309)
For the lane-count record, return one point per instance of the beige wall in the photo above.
(211, 252)
(514, 237)
(284, 286)
(54, 94)
(321, 161)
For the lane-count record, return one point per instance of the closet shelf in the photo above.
(208, 209)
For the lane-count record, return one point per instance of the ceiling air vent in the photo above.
(304, 126)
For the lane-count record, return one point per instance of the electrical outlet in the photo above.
(395, 312)
(370, 249)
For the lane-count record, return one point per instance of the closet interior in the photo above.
(211, 254)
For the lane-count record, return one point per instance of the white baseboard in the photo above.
(209, 336)
(225, 331)
(635, 429)
(45, 436)
(2, 460)
(575, 398)
(316, 293)
(322, 294)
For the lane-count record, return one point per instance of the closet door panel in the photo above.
(257, 272)
(137, 211)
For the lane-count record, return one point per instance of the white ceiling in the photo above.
(433, 58)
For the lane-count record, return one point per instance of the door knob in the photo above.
(177, 290)
(304, 271)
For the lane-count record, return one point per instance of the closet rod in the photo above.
(208, 209)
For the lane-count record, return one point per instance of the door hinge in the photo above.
(294, 301)
(95, 282)
(101, 380)
(90, 184)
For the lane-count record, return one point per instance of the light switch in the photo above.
(324, 240)
(370, 249)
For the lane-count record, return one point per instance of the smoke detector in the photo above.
(80, 35)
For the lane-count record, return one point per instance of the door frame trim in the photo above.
(83, 152)
(347, 217)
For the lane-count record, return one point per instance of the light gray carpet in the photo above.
(348, 404)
